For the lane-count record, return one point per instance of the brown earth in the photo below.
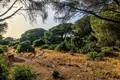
(70, 67)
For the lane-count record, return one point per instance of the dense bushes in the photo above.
(32, 35)
(90, 47)
(3, 69)
(63, 47)
(52, 47)
(108, 52)
(13, 43)
(3, 49)
(44, 46)
(95, 56)
(23, 73)
(24, 47)
(38, 43)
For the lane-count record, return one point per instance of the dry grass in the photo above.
(70, 67)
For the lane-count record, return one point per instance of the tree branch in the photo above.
(94, 14)
(11, 15)
(8, 9)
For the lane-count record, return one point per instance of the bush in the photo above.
(90, 47)
(25, 47)
(15, 46)
(3, 69)
(64, 46)
(2, 49)
(95, 56)
(38, 43)
(52, 47)
(5, 48)
(13, 43)
(44, 46)
(108, 52)
(23, 73)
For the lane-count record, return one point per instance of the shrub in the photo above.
(2, 49)
(15, 46)
(38, 43)
(5, 48)
(3, 69)
(108, 51)
(90, 47)
(61, 47)
(25, 47)
(52, 47)
(13, 43)
(23, 73)
(44, 46)
(95, 56)
(64, 46)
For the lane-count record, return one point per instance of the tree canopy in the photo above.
(65, 9)
(58, 33)
(32, 34)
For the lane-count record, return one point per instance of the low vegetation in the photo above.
(25, 47)
(23, 73)
(4, 72)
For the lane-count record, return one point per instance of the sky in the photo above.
(18, 25)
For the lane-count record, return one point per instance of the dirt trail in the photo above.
(70, 67)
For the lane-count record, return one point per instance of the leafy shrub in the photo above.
(52, 47)
(95, 56)
(38, 43)
(108, 51)
(64, 46)
(23, 73)
(44, 46)
(13, 43)
(1, 49)
(90, 47)
(3, 69)
(25, 47)
(5, 48)
(15, 46)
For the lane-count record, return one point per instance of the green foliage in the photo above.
(108, 52)
(57, 34)
(5, 48)
(90, 47)
(32, 35)
(105, 30)
(13, 43)
(25, 47)
(82, 27)
(2, 49)
(15, 46)
(3, 28)
(52, 47)
(46, 46)
(38, 43)
(63, 47)
(7, 40)
(77, 41)
(23, 73)
(3, 69)
(95, 56)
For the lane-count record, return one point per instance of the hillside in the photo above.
(70, 67)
